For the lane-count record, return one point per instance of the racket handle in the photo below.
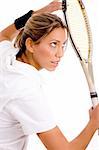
(94, 98)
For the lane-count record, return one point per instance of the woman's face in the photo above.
(48, 52)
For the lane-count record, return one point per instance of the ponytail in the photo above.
(20, 43)
(18, 39)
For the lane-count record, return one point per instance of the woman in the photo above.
(23, 105)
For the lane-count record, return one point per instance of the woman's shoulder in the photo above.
(7, 47)
(5, 43)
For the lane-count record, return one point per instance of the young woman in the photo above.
(23, 106)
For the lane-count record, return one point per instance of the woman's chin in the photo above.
(51, 69)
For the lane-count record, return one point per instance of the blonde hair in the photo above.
(37, 27)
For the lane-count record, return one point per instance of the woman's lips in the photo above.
(55, 63)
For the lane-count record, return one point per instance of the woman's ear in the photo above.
(29, 45)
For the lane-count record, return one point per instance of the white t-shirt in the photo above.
(23, 106)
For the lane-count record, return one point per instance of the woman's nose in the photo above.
(60, 53)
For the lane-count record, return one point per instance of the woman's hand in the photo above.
(94, 115)
(51, 7)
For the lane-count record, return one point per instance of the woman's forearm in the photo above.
(83, 139)
(9, 33)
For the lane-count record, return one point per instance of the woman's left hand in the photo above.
(51, 7)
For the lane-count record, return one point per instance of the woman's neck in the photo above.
(28, 59)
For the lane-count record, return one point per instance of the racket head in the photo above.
(79, 28)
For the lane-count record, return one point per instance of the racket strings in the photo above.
(77, 19)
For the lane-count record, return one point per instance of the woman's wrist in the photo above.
(93, 125)
(21, 21)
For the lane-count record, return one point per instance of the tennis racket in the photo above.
(81, 38)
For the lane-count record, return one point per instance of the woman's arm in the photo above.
(11, 32)
(55, 140)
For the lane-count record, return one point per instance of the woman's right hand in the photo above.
(94, 115)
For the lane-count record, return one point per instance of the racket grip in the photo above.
(94, 98)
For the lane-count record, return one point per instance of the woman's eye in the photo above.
(64, 46)
(53, 44)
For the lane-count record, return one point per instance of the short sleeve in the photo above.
(33, 113)
(7, 48)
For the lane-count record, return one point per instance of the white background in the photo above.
(66, 87)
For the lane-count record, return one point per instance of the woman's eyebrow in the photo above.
(55, 40)
(58, 41)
